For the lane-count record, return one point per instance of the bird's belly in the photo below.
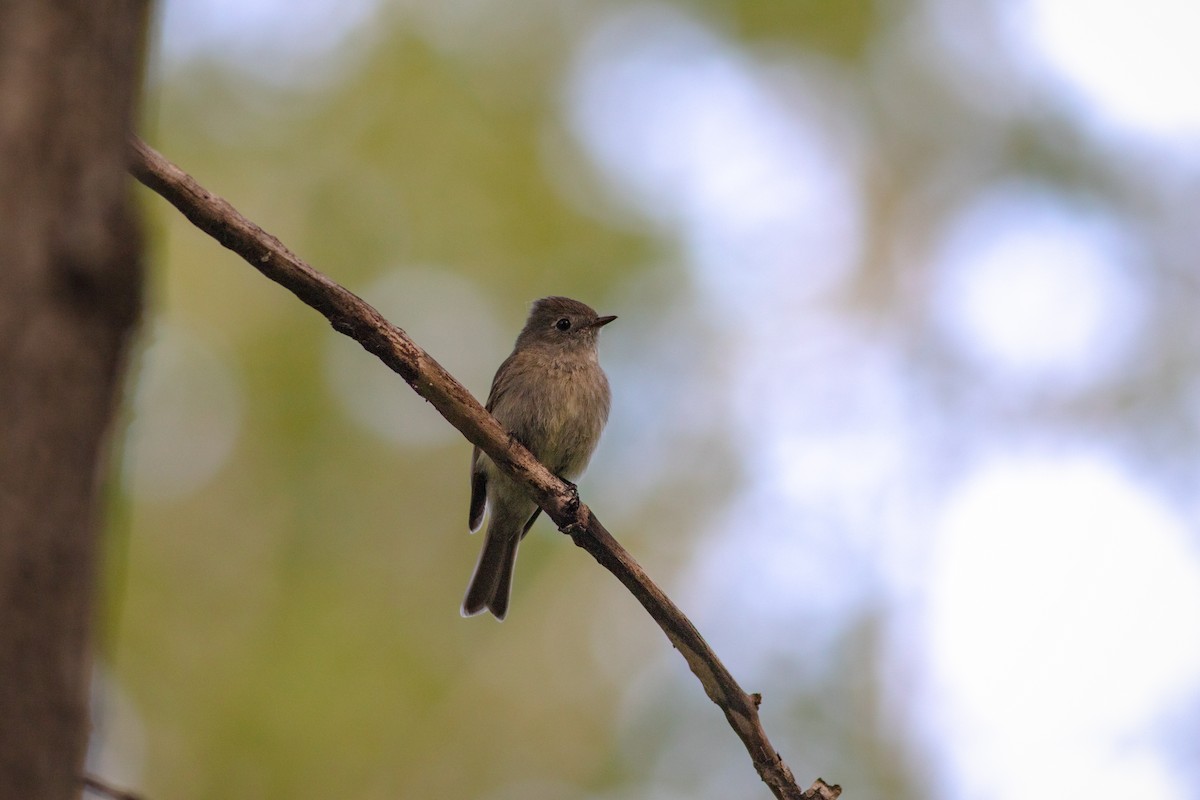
(567, 425)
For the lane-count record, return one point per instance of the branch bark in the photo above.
(350, 315)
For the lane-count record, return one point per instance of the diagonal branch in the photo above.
(349, 314)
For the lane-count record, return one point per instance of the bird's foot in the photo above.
(572, 497)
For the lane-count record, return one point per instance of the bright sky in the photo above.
(1131, 65)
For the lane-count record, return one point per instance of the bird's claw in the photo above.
(573, 529)
(572, 497)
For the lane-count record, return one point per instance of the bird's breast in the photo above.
(558, 411)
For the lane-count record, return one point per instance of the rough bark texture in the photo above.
(70, 282)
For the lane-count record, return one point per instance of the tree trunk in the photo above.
(70, 285)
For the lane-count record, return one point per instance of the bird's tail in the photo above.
(492, 581)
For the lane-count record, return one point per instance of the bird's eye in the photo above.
(563, 324)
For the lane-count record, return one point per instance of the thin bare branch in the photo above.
(349, 314)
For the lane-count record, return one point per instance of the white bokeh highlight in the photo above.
(452, 319)
(269, 39)
(1037, 292)
(1133, 65)
(750, 164)
(187, 414)
(1060, 628)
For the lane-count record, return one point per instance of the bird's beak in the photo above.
(600, 322)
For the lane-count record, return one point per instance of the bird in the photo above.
(552, 396)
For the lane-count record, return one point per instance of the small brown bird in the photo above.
(552, 395)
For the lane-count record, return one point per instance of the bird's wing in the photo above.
(478, 491)
(478, 473)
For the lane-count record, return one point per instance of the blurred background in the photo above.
(907, 407)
